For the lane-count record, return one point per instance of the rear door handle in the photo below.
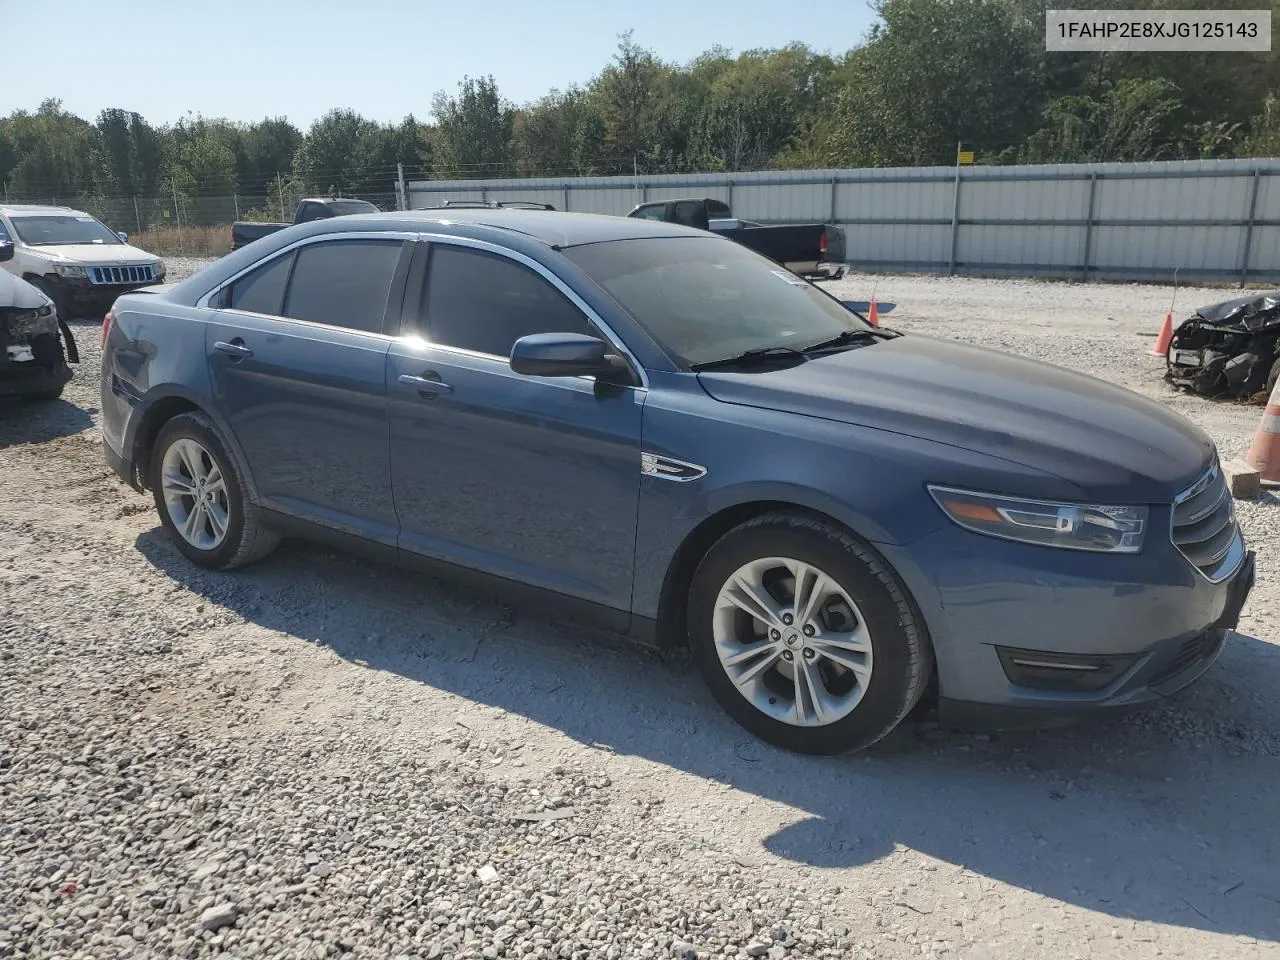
(427, 386)
(235, 348)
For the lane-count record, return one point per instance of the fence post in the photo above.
(177, 215)
(1088, 224)
(955, 221)
(402, 194)
(833, 199)
(1248, 229)
(235, 203)
(728, 193)
(136, 215)
(280, 191)
(566, 197)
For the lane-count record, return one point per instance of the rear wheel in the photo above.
(805, 636)
(199, 495)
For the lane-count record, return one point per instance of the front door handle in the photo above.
(235, 348)
(428, 386)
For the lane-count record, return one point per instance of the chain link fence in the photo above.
(177, 224)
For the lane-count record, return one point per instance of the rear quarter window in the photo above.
(262, 290)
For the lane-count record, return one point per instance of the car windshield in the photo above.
(51, 229)
(706, 299)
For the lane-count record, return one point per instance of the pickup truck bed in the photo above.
(815, 250)
(315, 208)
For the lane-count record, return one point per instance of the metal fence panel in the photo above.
(1207, 219)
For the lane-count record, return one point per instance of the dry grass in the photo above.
(185, 241)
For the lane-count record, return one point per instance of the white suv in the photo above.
(76, 260)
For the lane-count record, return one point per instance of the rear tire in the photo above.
(199, 494)
(832, 608)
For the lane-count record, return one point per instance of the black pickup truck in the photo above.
(814, 250)
(313, 208)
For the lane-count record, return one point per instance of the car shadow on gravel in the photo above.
(39, 421)
(1169, 816)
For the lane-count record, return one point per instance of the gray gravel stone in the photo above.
(219, 916)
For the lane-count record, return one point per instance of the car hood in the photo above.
(18, 293)
(95, 254)
(1110, 443)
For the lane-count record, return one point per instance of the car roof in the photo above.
(21, 209)
(553, 227)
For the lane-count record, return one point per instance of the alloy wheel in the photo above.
(195, 494)
(792, 641)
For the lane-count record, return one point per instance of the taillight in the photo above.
(106, 327)
(822, 244)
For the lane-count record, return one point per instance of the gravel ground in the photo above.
(319, 756)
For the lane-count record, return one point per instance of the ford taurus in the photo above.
(664, 431)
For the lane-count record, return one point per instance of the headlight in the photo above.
(159, 269)
(69, 270)
(1073, 526)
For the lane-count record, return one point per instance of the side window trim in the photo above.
(412, 321)
(206, 300)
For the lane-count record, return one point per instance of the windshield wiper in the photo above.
(848, 336)
(754, 355)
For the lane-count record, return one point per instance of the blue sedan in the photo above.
(661, 430)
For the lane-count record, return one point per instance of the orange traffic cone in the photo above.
(873, 315)
(1264, 453)
(1161, 349)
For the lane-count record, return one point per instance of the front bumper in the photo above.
(86, 299)
(46, 369)
(1155, 612)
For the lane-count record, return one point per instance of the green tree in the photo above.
(53, 152)
(269, 148)
(1129, 121)
(129, 160)
(936, 72)
(206, 168)
(336, 152)
(473, 131)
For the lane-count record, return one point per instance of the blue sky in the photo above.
(385, 58)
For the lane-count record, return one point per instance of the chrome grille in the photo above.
(143, 274)
(1204, 527)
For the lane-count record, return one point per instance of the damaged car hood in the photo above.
(1249, 313)
(19, 294)
(1102, 438)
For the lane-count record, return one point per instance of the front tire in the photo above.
(805, 636)
(199, 495)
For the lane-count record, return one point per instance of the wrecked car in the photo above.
(1228, 349)
(35, 344)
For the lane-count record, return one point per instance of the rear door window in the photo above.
(485, 302)
(343, 283)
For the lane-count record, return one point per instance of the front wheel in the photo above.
(200, 496)
(805, 636)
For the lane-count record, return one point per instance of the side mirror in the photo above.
(6, 250)
(124, 237)
(561, 355)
